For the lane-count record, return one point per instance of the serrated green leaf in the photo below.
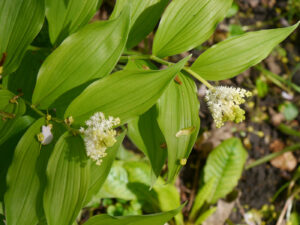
(21, 198)
(100, 173)
(90, 53)
(144, 16)
(157, 219)
(68, 174)
(187, 24)
(178, 110)
(203, 195)
(225, 165)
(205, 215)
(124, 94)
(20, 22)
(66, 17)
(234, 55)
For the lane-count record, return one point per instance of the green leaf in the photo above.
(147, 136)
(20, 22)
(131, 180)
(144, 131)
(144, 17)
(178, 119)
(100, 173)
(225, 164)
(157, 219)
(187, 24)
(262, 87)
(23, 181)
(10, 110)
(68, 180)
(15, 127)
(24, 78)
(8, 146)
(124, 94)
(294, 219)
(201, 197)
(66, 17)
(289, 110)
(205, 215)
(90, 53)
(234, 55)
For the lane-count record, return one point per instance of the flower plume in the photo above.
(224, 104)
(99, 135)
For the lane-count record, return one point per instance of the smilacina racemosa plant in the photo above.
(67, 104)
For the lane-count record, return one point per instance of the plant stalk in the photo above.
(273, 155)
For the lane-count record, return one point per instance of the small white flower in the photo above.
(46, 136)
(224, 104)
(99, 135)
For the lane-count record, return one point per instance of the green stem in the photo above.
(198, 77)
(167, 63)
(159, 60)
(273, 155)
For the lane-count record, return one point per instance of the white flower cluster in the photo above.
(99, 135)
(224, 104)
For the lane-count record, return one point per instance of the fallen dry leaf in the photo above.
(287, 162)
(222, 213)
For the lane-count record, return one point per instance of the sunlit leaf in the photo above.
(124, 94)
(20, 22)
(234, 55)
(187, 24)
(225, 165)
(68, 174)
(90, 53)
(179, 121)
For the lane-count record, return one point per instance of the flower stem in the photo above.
(167, 63)
(198, 77)
(273, 155)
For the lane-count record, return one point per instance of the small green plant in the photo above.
(65, 109)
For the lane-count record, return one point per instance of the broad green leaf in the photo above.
(234, 55)
(66, 17)
(24, 78)
(15, 127)
(124, 94)
(68, 174)
(90, 53)
(10, 106)
(144, 131)
(225, 165)
(100, 173)
(8, 146)
(115, 185)
(178, 119)
(187, 24)
(153, 219)
(144, 16)
(203, 195)
(131, 180)
(146, 135)
(10, 109)
(20, 22)
(23, 180)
